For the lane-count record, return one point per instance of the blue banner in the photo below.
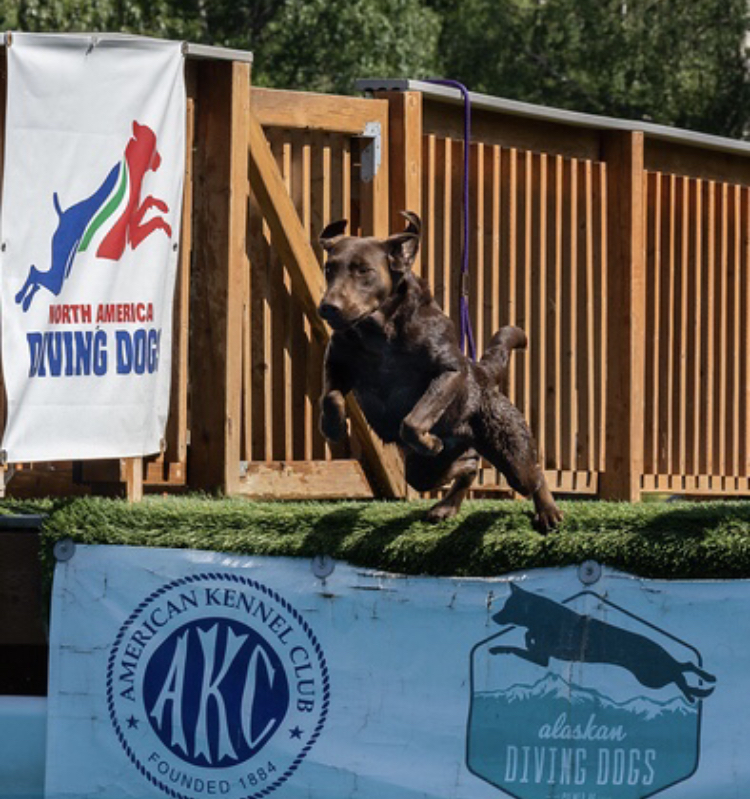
(191, 674)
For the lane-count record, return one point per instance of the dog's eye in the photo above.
(361, 269)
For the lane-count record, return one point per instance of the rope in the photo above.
(465, 334)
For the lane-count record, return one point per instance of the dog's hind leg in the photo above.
(502, 436)
(691, 692)
(704, 675)
(425, 473)
(30, 288)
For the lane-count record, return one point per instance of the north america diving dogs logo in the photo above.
(217, 685)
(582, 699)
(115, 207)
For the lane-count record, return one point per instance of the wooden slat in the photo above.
(540, 297)
(710, 328)
(586, 381)
(454, 223)
(289, 480)
(429, 183)
(303, 422)
(476, 247)
(526, 206)
(720, 418)
(671, 392)
(568, 314)
(509, 249)
(309, 111)
(176, 434)
(602, 315)
(374, 195)
(651, 380)
(695, 265)
(735, 428)
(681, 328)
(745, 336)
(554, 326)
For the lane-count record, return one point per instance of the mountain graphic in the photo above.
(553, 686)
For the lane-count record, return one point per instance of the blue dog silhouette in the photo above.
(556, 631)
(66, 241)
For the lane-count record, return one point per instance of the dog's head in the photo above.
(361, 273)
(144, 140)
(516, 608)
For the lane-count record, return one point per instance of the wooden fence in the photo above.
(621, 248)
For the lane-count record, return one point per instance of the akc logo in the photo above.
(217, 685)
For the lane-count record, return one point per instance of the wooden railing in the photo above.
(620, 248)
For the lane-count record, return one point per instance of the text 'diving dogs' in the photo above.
(78, 224)
(556, 631)
(394, 348)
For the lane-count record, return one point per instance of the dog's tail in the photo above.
(497, 355)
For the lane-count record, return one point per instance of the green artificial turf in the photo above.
(664, 539)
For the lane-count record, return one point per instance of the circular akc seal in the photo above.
(216, 686)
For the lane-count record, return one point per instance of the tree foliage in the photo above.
(671, 62)
(676, 63)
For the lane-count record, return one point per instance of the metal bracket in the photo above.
(372, 151)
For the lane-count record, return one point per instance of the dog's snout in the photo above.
(329, 312)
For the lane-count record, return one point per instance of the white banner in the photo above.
(91, 207)
(192, 674)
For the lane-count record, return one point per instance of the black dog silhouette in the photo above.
(556, 631)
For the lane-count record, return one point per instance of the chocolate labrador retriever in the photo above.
(398, 352)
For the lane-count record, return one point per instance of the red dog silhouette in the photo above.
(141, 156)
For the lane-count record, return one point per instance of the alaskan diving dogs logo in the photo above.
(554, 631)
(583, 699)
(78, 224)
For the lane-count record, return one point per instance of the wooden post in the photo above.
(133, 468)
(404, 153)
(626, 315)
(220, 186)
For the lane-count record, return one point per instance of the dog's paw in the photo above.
(422, 443)
(332, 426)
(440, 512)
(548, 518)
(333, 417)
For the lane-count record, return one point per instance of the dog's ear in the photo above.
(402, 249)
(333, 233)
(415, 223)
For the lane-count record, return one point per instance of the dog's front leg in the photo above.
(336, 384)
(333, 415)
(415, 429)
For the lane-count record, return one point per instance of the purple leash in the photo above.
(465, 334)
